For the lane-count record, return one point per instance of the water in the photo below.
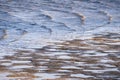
(59, 40)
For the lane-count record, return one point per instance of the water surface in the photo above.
(59, 40)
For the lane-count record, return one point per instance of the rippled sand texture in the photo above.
(59, 40)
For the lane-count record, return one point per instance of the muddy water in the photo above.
(59, 40)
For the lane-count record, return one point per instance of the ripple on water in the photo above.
(59, 40)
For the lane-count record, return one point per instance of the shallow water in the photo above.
(59, 40)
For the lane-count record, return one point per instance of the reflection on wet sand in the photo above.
(96, 58)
